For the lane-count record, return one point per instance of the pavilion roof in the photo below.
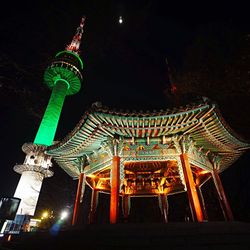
(202, 121)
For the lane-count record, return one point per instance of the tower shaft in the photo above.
(46, 132)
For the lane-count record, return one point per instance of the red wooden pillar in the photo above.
(204, 210)
(201, 198)
(93, 205)
(191, 189)
(226, 209)
(164, 207)
(114, 194)
(77, 200)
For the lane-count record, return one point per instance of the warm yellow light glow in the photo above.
(203, 172)
(45, 215)
(160, 190)
(91, 176)
(128, 190)
(99, 184)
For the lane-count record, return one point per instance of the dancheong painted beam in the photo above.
(202, 122)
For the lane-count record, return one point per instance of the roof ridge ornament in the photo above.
(96, 105)
(76, 41)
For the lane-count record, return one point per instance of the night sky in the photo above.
(124, 68)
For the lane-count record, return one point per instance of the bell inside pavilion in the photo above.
(149, 154)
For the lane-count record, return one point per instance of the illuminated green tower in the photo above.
(64, 77)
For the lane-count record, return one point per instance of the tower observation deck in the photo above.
(64, 77)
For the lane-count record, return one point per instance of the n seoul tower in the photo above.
(64, 77)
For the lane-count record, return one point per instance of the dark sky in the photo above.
(124, 67)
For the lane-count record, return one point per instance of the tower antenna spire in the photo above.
(76, 41)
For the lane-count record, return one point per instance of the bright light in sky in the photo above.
(120, 19)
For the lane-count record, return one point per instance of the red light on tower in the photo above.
(173, 88)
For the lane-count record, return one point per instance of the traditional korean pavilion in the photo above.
(127, 154)
(148, 154)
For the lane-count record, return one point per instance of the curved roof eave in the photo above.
(202, 121)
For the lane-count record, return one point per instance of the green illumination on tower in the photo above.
(63, 76)
(47, 129)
